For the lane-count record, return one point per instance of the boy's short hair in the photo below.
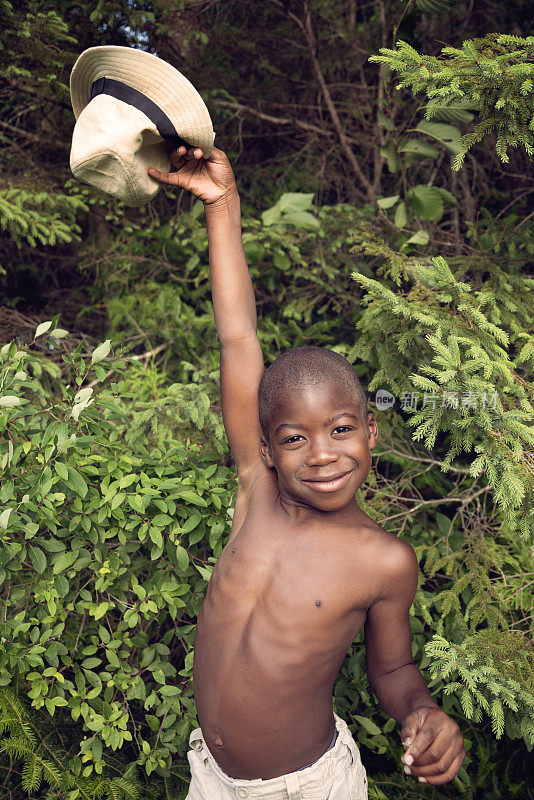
(301, 367)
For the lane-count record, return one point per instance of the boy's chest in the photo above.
(301, 583)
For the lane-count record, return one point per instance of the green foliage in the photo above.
(108, 509)
(40, 217)
(477, 355)
(484, 685)
(46, 762)
(495, 75)
(82, 579)
(294, 274)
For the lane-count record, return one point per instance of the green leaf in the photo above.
(457, 113)
(161, 520)
(368, 725)
(182, 557)
(155, 535)
(389, 152)
(191, 497)
(50, 705)
(65, 561)
(426, 202)
(4, 518)
(7, 490)
(447, 196)
(191, 523)
(268, 217)
(38, 559)
(419, 149)
(295, 201)
(77, 482)
(170, 691)
(400, 215)
(117, 500)
(100, 610)
(387, 202)
(10, 401)
(448, 135)
(83, 395)
(61, 470)
(89, 663)
(300, 219)
(281, 260)
(101, 352)
(420, 237)
(42, 328)
(205, 571)
(385, 121)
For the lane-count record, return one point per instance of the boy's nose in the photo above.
(321, 453)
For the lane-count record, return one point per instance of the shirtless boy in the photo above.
(304, 567)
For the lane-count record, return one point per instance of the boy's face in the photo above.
(319, 443)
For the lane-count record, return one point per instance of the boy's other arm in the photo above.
(435, 750)
(393, 676)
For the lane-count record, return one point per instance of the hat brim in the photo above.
(155, 78)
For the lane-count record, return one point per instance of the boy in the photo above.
(304, 567)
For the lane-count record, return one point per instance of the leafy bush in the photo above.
(112, 518)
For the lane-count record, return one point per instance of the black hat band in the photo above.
(140, 101)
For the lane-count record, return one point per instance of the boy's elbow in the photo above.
(242, 336)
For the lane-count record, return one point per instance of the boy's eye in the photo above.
(342, 428)
(292, 439)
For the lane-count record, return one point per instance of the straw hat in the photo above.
(131, 109)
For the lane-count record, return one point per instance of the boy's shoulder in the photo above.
(395, 566)
(391, 559)
(394, 554)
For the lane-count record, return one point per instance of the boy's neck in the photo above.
(303, 512)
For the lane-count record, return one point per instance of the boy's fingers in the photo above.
(176, 156)
(435, 759)
(188, 153)
(164, 177)
(443, 777)
(425, 736)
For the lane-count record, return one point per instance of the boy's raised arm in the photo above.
(212, 180)
(235, 317)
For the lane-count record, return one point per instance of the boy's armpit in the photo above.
(258, 480)
(387, 627)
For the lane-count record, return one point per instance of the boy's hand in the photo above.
(435, 746)
(209, 179)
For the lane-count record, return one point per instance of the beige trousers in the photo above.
(338, 775)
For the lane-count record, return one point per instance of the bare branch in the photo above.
(349, 153)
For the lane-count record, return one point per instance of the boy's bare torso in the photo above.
(284, 603)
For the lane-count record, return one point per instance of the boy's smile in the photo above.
(319, 444)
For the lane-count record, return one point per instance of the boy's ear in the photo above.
(373, 430)
(266, 452)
